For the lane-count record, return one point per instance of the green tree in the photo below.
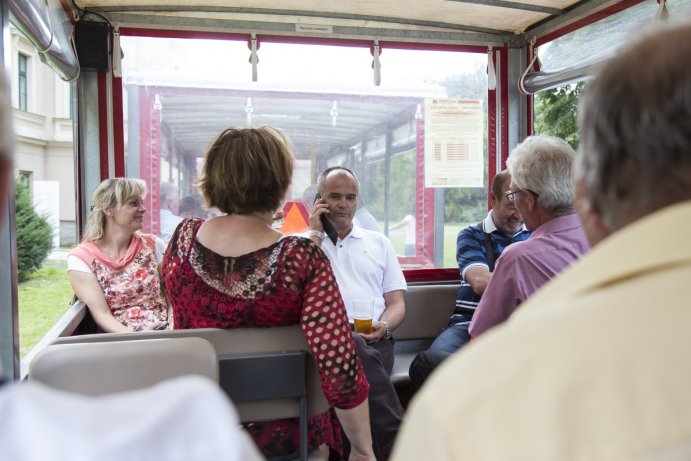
(34, 234)
(401, 186)
(556, 110)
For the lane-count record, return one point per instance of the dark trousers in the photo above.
(423, 365)
(453, 337)
(385, 410)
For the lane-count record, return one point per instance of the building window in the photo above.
(24, 177)
(23, 82)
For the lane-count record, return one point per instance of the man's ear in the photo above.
(594, 226)
(493, 200)
(531, 199)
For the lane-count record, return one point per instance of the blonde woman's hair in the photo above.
(111, 193)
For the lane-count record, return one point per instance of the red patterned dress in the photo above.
(287, 283)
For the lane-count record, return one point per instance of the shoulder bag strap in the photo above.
(489, 246)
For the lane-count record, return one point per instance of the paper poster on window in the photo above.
(453, 143)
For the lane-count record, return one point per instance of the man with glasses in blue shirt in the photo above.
(477, 248)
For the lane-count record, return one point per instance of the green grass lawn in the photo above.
(43, 299)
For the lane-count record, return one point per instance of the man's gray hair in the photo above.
(545, 166)
(634, 122)
(168, 191)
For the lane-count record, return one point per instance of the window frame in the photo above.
(23, 82)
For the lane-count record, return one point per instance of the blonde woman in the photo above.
(115, 268)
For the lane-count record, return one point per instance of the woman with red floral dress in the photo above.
(115, 268)
(235, 271)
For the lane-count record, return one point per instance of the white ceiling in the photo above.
(443, 21)
(192, 119)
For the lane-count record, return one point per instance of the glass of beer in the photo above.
(363, 309)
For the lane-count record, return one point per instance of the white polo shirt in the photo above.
(366, 267)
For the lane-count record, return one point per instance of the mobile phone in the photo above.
(328, 226)
(162, 326)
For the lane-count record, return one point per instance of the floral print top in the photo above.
(132, 287)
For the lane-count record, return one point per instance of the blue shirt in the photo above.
(471, 251)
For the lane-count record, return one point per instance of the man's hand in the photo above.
(378, 332)
(320, 207)
(478, 278)
(155, 325)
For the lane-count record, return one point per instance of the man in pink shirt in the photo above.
(542, 188)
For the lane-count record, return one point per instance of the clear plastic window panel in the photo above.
(180, 93)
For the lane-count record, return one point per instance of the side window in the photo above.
(22, 69)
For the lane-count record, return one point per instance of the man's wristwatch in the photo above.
(316, 233)
(388, 330)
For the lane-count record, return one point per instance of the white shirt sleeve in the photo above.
(160, 250)
(76, 264)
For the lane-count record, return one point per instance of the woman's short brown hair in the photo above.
(247, 170)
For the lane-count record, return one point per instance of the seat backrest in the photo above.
(267, 372)
(239, 341)
(255, 382)
(428, 309)
(117, 366)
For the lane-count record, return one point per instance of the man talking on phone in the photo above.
(366, 267)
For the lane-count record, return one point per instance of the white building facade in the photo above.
(44, 152)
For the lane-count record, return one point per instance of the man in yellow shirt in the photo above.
(595, 365)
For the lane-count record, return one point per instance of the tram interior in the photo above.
(141, 121)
